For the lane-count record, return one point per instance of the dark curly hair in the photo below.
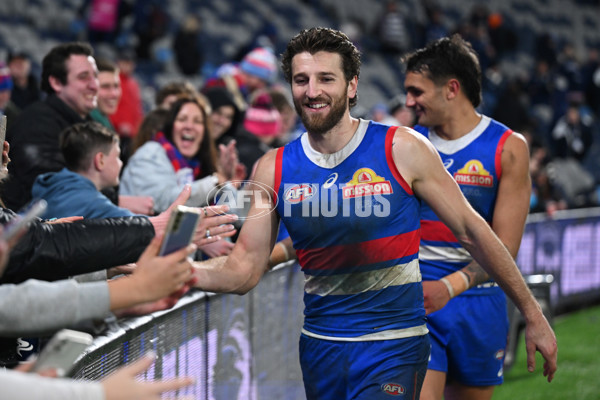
(330, 40)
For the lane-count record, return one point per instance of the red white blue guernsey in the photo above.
(354, 222)
(474, 161)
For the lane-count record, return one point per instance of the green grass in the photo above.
(578, 336)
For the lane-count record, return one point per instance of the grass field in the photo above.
(578, 336)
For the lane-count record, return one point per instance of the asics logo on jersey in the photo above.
(393, 389)
(448, 163)
(331, 180)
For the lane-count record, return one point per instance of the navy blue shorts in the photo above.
(468, 339)
(383, 369)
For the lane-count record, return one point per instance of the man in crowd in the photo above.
(109, 92)
(69, 77)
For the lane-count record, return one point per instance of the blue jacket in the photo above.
(70, 194)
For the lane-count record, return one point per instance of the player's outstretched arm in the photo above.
(242, 269)
(420, 165)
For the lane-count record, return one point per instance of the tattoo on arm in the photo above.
(476, 274)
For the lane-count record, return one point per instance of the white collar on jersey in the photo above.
(333, 160)
(452, 146)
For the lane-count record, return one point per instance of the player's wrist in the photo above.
(279, 254)
(456, 283)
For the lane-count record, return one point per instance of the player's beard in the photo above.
(319, 123)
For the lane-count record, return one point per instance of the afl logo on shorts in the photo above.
(393, 389)
(499, 355)
(299, 193)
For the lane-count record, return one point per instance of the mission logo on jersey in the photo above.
(474, 174)
(365, 182)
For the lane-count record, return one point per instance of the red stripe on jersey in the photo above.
(498, 159)
(363, 253)
(277, 179)
(389, 141)
(436, 231)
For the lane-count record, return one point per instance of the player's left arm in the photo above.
(510, 213)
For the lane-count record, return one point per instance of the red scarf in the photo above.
(177, 159)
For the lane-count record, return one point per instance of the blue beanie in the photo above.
(260, 62)
(6, 82)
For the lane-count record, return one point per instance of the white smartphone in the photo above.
(180, 229)
(21, 221)
(61, 352)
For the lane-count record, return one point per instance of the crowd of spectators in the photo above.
(88, 144)
(554, 102)
(83, 236)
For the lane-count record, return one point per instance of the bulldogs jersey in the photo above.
(354, 223)
(474, 161)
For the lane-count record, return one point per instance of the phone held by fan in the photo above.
(62, 351)
(180, 229)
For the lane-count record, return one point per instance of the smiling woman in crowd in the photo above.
(182, 152)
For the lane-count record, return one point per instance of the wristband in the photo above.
(448, 286)
(285, 251)
(466, 279)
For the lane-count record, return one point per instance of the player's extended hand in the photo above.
(540, 336)
(216, 249)
(123, 384)
(435, 295)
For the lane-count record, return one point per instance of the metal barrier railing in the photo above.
(236, 347)
(246, 347)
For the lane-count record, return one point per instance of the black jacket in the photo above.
(52, 252)
(34, 147)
